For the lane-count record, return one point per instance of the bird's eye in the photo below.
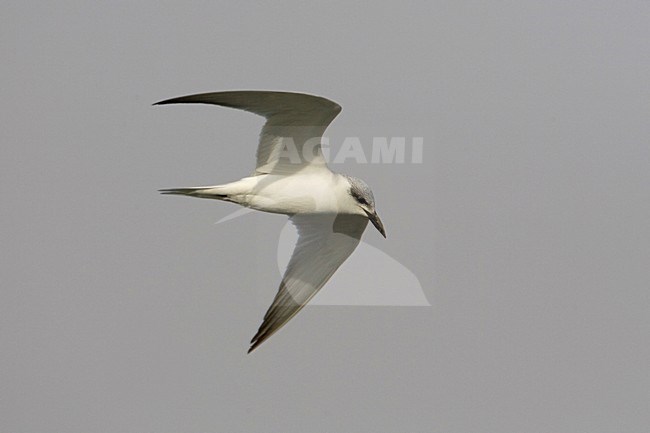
(362, 200)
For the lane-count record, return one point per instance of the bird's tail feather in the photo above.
(201, 192)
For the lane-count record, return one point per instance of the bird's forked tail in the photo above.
(201, 192)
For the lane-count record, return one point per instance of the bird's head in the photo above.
(365, 202)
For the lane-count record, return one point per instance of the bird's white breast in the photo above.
(308, 192)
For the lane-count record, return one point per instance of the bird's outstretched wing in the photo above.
(295, 123)
(325, 241)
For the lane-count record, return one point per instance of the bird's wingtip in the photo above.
(258, 339)
(180, 100)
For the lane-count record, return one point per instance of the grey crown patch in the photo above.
(360, 191)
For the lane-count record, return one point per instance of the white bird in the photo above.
(329, 210)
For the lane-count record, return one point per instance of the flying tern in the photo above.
(291, 177)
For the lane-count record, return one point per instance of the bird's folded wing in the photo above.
(295, 123)
(324, 243)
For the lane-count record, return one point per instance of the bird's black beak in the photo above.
(374, 219)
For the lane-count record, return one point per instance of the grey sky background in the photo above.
(526, 224)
